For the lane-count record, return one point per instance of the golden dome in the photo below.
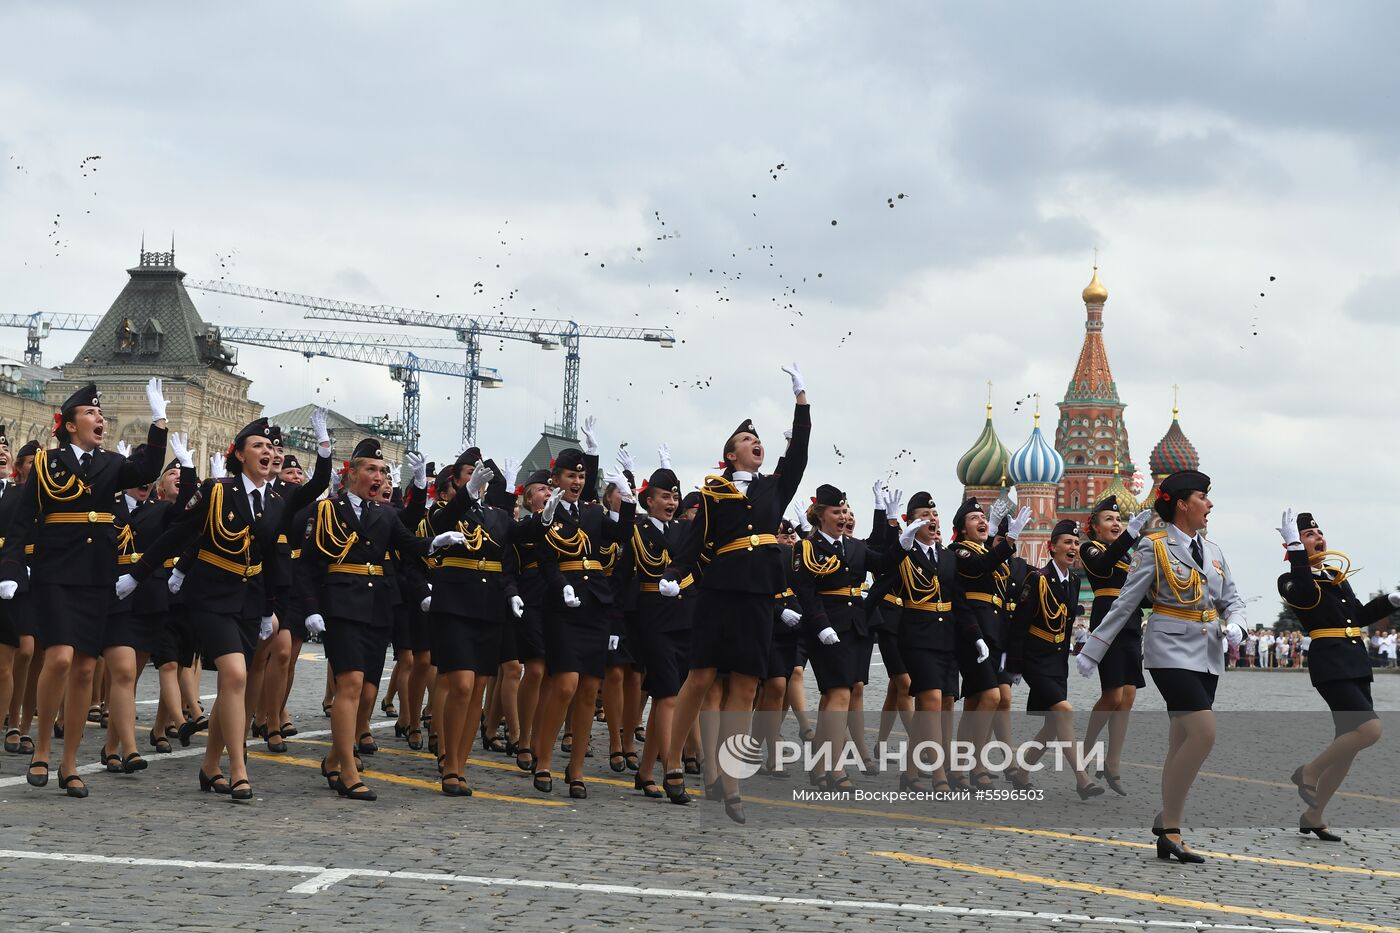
(1094, 292)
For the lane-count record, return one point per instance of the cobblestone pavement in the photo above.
(149, 851)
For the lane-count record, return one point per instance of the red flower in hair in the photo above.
(57, 421)
(1164, 496)
(519, 490)
(551, 463)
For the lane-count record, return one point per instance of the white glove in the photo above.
(179, 449)
(337, 483)
(216, 466)
(268, 628)
(983, 652)
(663, 454)
(426, 604)
(481, 478)
(1234, 634)
(878, 491)
(624, 488)
(1139, 522)
(893, 499)
(799, 518)
(1394, 599)
(625, 461)
(8, 589)
(510, 469)
(668, 588)
(570, 600)
(517, 606)
(418, 467)
(828, 636)
(994, 516)
(787, 435)
(177, 580)
(315, 624)
(318, 427)
(590, 440)
(124, 448)
(1288, 531)
(1002, 665)
(552, 503)
(446, 539)
(1015, 680)
(126, 585)
(1086, 664)
(798, 386)
(612, 642)
(791, 619)
(395, 477)
(906, 537)
(1018, 524)
(156, 399)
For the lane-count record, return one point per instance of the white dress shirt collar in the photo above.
(131, 503)
(78, 452)
(660, 525)
(829, 539)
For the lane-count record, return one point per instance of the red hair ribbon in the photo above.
(1164, 496)
(519, 490)
(57, 421)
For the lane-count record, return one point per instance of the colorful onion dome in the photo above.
(1173, 452)
(1036, 461)
(1095, 293)
(985, 463)
(1128, 503)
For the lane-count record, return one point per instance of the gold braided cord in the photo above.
(717, 487)
(1187, 592)
(917, 584)
(608, 557)
(332, 538)
(653, 564)
(1059, 614)
(823, 567)
(576, 545)
(126, 540)
(1337, 563)
(70, 490)
(220, 536)
(474, 537)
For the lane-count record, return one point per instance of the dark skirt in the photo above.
(931, 669)
(978, 676)
(836, 666)
(140, 632)
(222, 633)
(1350, 702)
(24, 614)
(420, 631)
(865, 650)
(1122, 662)
(166, 649)
(732, 631)
(510, 646)
(529, 633)
(9, 632)
(186, 638)
(75, 616)
(576, 641)
(1185, 691)
(1046, 687)
(622, 655)
(665, 655)
(783, 651)
(631, 625)
(356, 647)
(402, 634)
(463, 644)
(890, 653)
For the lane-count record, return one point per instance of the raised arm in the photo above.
(1133, 590)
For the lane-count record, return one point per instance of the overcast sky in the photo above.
(615, 165)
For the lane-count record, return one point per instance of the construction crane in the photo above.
(405, 366)
(547, 333)
(38, 325)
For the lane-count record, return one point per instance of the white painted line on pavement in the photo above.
(202, 696)
(323, 877)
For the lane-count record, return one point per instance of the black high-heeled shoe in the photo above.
(577, 789)
(37, 780)
(1305, 791)
(133, 763)
(1113, 781)
(357, 791)
(208, 783)
(415, 744)
(241, 791)
(1019, 780)
(911, 784)
(72, 785)
(399, 731)
(734, 809)
(1167, 849)
(714, 791)
(365, 748)
(1320, 831)
(160, 743)
(188, 728)
(289, 730)
(692, 764)
(455, 790)
(632, 759)
(544, 782)
(647, 787)
(110, 761)
(675, 792)
(512, 749)
(566, 743)
(1088, 790)
(530, 761)
(277, 748)
(617, 762)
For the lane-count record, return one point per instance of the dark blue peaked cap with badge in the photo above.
(1106, 505)
(1065, 526)
(368, 449)
(87, 395)
(258, 428)
(1177, 486)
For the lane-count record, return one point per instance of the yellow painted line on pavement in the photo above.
(406, 781)
(1167, 900)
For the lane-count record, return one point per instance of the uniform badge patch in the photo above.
(1218, 569)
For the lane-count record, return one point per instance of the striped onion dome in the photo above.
(985, 463)
(1036, 461)
(1173, 452)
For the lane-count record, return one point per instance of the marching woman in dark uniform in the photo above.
(924, 603)
(423, 704)
(571, 538)
(74, 561)
(979, 560)
(1196, 610)
(19, 612)
(1317, 589)
(782, 653)
(503, 688)
(829, 569)
(731, 540)
(136, 624)
(224, 540)
(474, 597)
(622, 682)
(1105, 559)
(9, 631)
(883, 620)
(345, 596)
(663, 625)
(529, 630)
(1039, 643)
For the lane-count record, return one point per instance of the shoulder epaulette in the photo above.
(1156, 535)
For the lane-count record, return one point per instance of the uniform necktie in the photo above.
(85, 461)
(841, 547)
(257, 503)
(1197, 554)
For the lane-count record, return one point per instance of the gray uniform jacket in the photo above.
(1187, 625)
